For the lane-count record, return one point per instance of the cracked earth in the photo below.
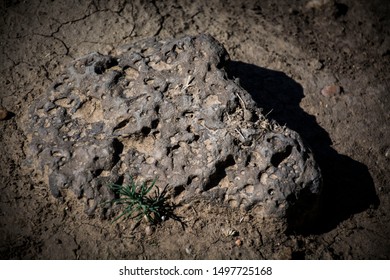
(318, 67)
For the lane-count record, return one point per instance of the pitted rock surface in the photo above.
(167, 109)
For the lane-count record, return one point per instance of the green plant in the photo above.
(140, 203)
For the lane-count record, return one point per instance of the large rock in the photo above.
(166, 109)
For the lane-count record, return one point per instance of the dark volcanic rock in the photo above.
(166, 109)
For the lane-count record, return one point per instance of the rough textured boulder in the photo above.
(166, 109)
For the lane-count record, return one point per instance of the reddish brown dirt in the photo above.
(320, 67)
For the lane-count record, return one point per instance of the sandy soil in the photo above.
(320, 67)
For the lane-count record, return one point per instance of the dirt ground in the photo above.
(321, 67)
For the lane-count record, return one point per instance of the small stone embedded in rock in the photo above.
(167, 110)
(316, 64)
(331, 90)
(238, 242)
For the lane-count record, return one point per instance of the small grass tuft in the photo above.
(140, 202)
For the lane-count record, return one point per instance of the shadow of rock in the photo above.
(348, 186)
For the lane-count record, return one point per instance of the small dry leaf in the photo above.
(229, 232)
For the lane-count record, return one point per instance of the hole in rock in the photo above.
(277, 158)
(190, 179)
(254, 118)
(188, 114)
(57, 85)
(154, 124)
(145, 130)
(171, 149)
(120, 125)
(118, 149)
(178, 190)
(220, 172)
(157, 109)
(101, 66)
(97, 172)
(248, 160)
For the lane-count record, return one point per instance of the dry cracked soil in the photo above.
(320, 67)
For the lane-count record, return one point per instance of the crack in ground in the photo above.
(9, 58)
(58, 39)
(132, 18)
(162, 19)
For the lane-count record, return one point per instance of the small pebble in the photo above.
(316, 4)
(331, 90)
(149, 230)
(387, 153)
(3, 114)
(238, 242)
(316, 64)
(189, 250)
